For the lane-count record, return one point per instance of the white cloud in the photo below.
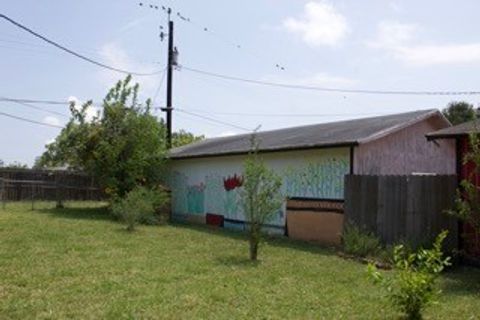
(424, 55)
(133, 24)
(51, 121)
(320, 24)
(396, 7)
(222, 134)
(227, 134)
(399, 41)
(392, 34)
(317, 79)
(115, 55)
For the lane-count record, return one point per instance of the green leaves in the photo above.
(123, 147)
(459, 111)
(359, 242)
(182, 137)
(261, 196)
(412, 287)
(141, 205)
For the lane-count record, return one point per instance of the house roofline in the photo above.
(237, 153)
(446, 136)
(391, 130)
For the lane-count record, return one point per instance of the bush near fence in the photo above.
(403, 209)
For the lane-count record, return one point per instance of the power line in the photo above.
(324, 89)
(157, 92)
(43, 102)
(215, 34)
(24, 43)
(52, 102)
(40, 109)
(29, 120)
(37, 48)
(39, 101)
(213, 120)
(226, 40)
(78, 55)
(288, 115)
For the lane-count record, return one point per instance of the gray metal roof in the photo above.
(455, 131)
(333, 134)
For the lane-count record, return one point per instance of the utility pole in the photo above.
(172, 52)
(172, 62)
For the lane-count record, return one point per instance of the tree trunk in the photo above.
(253, 248)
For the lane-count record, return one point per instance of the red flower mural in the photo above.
(233, 182)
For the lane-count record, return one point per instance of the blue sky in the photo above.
(384, 45)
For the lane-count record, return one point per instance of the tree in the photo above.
(459, 111)
(261, 196)
(183, 137)
(123, 147)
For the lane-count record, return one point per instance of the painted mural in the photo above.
(214, 192)
(317, 180)
(196, 199)
(179, 186)
(218, 192)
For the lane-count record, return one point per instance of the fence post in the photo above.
(4, 197)
(58, 190)
(31, 195)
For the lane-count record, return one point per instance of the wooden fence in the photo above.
(47, 185)
(402, 208)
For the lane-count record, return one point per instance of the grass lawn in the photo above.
(76, 263)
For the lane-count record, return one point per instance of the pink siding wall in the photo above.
(407, 151)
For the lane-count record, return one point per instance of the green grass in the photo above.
(77, 263)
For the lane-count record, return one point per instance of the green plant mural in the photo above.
(218, 193)
(196, 199)
(322, 179)
(179, 184)
(232, 205)
(214, 193)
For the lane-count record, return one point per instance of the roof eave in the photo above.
(404, 125)
(446, 136)
(283, 149)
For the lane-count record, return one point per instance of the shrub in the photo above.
(141, 205)
(359, 242)
(412, 287)
(261, 196)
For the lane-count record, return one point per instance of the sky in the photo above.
(347, 44)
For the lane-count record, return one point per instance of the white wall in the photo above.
(198, 185)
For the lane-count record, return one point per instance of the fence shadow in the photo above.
(78, 213)
(461, 280)
(274, 241)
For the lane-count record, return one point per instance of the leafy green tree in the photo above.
(412, 287)
(459, 111)
(183, 137)
(261, 196)
(123, 147)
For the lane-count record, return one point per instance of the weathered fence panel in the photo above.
(50, 185)
(402, 208)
